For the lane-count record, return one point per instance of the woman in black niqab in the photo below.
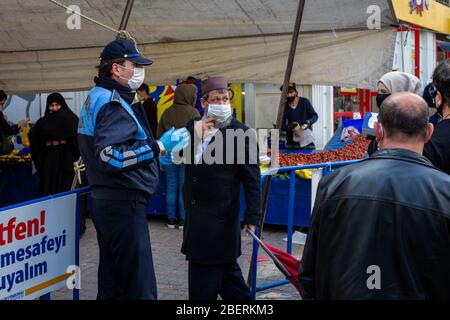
(54, 147)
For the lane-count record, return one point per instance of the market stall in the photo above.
(17, 182)
(347, 144)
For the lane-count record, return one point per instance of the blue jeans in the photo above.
(174, 194)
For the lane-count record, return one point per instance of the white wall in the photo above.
(17, 105)
(405, 54)
(322, 100)
(427, 56)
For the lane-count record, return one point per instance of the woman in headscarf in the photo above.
(390, 83)
(54, 147)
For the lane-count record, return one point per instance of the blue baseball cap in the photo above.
(124, 49)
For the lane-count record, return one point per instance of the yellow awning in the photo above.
(436, 17)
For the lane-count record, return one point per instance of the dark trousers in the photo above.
(206, 282)
(126, 264)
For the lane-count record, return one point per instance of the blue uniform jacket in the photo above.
(116, 144)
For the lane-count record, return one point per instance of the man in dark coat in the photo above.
(380, 228)
(212, 235)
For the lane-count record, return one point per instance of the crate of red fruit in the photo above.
(355, 150)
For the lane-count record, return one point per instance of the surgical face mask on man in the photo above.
(220, 111)
(137, 79)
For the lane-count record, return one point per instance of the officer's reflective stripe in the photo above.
(97, 98)
(127, 158)
(144, 157)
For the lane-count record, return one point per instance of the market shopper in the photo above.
(5, 128)
(390, 83)
(122, 168)
(299, 114)
(150, 107)
(429, 95)
(380, 227)
(178, 115)
(437, 150)
(212, 234)
(54, 146)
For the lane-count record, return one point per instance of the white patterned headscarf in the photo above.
(397, 81)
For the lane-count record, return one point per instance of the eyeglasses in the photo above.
(216, 100)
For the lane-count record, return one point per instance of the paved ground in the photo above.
(171, 266)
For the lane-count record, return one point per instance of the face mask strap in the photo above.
(121, 66)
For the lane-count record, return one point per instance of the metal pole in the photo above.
(126, 15)
(271, 255)
(76, 292)
(287, 77)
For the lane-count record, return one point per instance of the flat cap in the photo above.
(214, 83)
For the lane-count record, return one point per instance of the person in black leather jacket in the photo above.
(381, 228)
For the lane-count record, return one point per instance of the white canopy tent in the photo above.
(244, 40)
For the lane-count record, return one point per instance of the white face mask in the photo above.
(221, 111)
(137, 79)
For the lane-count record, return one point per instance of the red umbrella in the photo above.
(286, 263)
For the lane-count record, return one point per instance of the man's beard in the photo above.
(222, 124)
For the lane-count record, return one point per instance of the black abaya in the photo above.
(54, 163)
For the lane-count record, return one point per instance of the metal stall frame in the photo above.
(326, 168)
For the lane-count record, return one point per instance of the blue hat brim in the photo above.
(141, 60)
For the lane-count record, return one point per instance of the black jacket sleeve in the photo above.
(251, 179)
(433, 151)
(37, 146)
(284, 124)
(6, 128)
(311, 114)
(373, 147)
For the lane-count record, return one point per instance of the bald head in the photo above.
(404, 117)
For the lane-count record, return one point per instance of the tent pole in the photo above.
(126, 15)
(287, 77)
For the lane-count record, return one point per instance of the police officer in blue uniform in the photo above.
(121, 158)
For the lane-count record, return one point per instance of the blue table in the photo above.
(277, 207)
(17, 184)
